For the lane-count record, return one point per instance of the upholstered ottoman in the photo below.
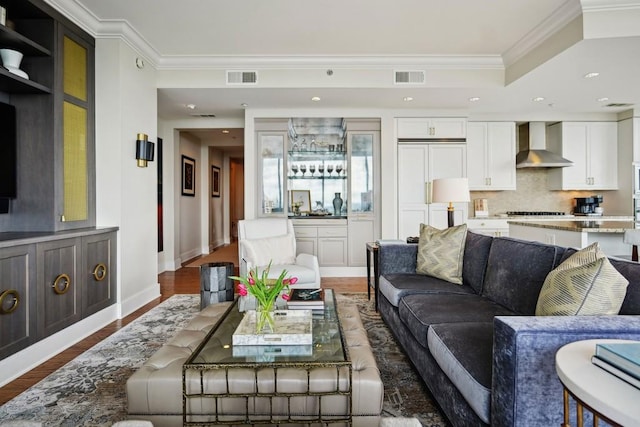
(154, 392)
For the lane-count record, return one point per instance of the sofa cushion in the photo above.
(631, 272)
(396, 286)
(464, 352)
(476, 253)
(585, 284)
(516, 270)
(441, 252)
(418, 312)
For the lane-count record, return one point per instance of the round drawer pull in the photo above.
(100, 272)
(63, 280)
(16, 300)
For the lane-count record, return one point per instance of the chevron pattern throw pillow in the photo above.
(440, 252)
(584, 284)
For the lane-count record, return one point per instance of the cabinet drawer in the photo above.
(332, 232)
(308, 232)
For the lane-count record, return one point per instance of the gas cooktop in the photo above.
(535, 213)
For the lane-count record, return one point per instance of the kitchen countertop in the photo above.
(589, 226)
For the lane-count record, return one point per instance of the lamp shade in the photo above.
(446, 190)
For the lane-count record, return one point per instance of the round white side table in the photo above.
(604, 394)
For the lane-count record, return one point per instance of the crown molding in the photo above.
(607, 5)
(566, 13)
(313, 61)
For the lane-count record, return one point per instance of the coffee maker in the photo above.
(587, 205)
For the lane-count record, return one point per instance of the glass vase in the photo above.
(265, 321)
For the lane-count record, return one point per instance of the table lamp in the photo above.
(449, 190)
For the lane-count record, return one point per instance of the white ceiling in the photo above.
(466, 48)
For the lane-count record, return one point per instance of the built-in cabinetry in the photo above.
(324, 174)
(418, 165)
(49, 282)
(54, 119)
(431, 128)
(593, 149)
(494, 227)
(492, 146)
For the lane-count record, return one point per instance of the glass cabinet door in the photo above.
(272, 166)
(362, 172)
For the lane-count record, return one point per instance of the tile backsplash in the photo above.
(532, 194)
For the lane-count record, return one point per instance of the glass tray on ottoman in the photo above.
(291, 327)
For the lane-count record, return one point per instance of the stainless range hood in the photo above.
(535, 154)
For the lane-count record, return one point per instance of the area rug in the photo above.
(227, 253)
(90, 390)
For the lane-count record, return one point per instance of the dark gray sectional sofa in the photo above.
(482, 352)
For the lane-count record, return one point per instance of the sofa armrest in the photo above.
(525, 387)
(397, 258)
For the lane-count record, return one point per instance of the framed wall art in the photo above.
(301, 201)
(188, 176)
(215, 181)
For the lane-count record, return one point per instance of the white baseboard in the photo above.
(23, 361)
(143, 297)
(343, 271)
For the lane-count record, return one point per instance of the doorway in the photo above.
(236, 194)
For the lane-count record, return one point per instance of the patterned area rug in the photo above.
(90, 390)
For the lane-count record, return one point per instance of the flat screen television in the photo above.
(8, 147)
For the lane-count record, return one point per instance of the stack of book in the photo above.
(621, 360)
(306, 299)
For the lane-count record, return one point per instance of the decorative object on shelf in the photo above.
(265, 291)
(301, 199)
(449, 190)
(144, 150)
(188, 176)
(11, 61)
(337, 204)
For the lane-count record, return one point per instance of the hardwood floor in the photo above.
(186, 280)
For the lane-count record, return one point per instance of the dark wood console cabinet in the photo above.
(48, 281)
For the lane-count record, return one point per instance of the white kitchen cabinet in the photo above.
(593, 149)
(418, 165)
(489, 226)
(431, 127)
(491, 148)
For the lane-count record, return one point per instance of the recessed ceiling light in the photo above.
(225, 131)
(407, 98)
(191, 106)
(591, 75)
(474, 99)
(603, 99)
(315, 99)
(244, 105)
(538, 99)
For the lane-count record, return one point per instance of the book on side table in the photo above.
(620, 359)
(306, 299)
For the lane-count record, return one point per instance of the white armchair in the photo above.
(273, 239)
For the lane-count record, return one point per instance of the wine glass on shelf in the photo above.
(321, 169)
(329, 169)
(294, 169)
(303, 169)
(338, 168)
(312, 169)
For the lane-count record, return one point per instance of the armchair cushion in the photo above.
(275, 250)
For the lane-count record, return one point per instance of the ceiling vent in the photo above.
(242, 77)
(409, 77)
(203, 115)
(618, 105)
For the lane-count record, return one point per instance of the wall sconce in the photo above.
(144, 150)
